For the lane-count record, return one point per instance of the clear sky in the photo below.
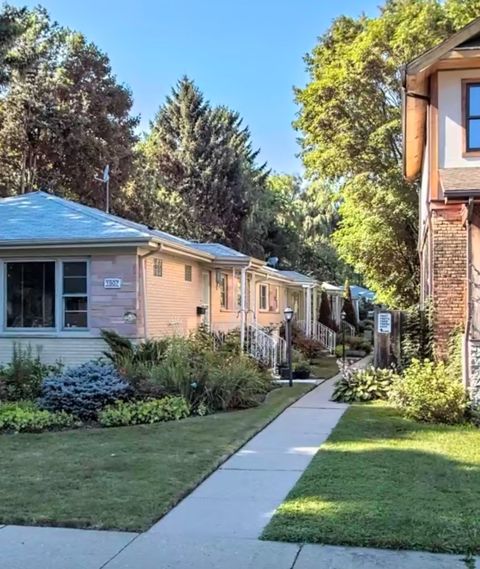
(245, 54)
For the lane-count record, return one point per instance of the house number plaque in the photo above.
(112, 283)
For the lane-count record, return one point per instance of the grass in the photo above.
(121, 478)
(324, 368)
(388, 482)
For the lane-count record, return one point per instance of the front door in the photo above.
(206, 297)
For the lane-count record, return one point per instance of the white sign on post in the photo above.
(384, 323)
(112, 283)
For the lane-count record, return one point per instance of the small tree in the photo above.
(325, 312)
(348, 308)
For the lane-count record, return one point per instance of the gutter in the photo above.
(468, 320)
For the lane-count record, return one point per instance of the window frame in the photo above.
(224, 286)
(4, 298)
(467, 117)
(277, 310)
(188, 273)
(59, 317)
(157, 263)
(64, 295)
(260, 287)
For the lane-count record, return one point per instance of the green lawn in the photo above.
(120, 478)
(324, 368)
(384, 481)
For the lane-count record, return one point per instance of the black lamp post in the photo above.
(344, 315)
(288, 313)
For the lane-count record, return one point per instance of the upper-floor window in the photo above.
(223, 291)
(472, 117)
(188, 273)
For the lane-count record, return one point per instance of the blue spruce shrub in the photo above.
(84, 390)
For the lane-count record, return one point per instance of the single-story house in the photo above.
(68, 271)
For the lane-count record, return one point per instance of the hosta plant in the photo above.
(364, 385)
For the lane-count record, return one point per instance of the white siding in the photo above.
(69, 351)
(450, 135)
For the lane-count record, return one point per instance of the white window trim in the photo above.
(260, 286)
(76, 295)
(59, 315)
(225, 306)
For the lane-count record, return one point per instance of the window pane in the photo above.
(474, 134)
(75, 319)
(31, 295)
(74, 285)
(75, 303)
(75, 269)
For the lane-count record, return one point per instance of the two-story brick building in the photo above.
(441, 127)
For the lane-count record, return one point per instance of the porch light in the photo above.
(288, 312)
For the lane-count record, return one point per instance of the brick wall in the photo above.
(449, 279)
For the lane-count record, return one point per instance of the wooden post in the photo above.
(387, 336)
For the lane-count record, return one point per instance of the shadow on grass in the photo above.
(375, 485)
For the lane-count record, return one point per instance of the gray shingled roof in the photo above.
(298, 277)
(218, 250)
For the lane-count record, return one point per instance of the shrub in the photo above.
(26, 417)
(144, 412)
(22, 378)
(309, 347)
(417, 334)
(237, 384)
(123, 351)
(364, 385)
(427, 392)
(84, 390)
(301, 371)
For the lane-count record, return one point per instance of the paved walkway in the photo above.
(218, 524)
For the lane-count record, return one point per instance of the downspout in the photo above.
(143, 268)
(468, 320)
(243, 308)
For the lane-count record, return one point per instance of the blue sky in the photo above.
(245, 54)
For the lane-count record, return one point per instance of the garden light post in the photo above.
(344, 314)
(288, 313)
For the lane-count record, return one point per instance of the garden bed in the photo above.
(121, 478)
(389, 482)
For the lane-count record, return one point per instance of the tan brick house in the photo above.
(68, 271)
(441, 124)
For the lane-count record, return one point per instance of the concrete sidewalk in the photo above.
(219, 523)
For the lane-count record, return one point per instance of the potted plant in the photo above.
(301, 371)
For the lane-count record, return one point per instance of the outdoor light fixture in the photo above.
(288, 313)
(343, 315)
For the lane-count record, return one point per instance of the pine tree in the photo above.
(325, 312)
(348, 308)
(202, 168)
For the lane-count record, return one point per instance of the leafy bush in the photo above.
(417, 334)
(26, 417)
(301, 370)
(22, 378)
(427, 392)
(339, 350)
(124, 352)
(84, 390)
(309, 347)
(237, 384)
(364, 385)
(144, 412)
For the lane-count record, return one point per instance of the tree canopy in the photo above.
(63, 115)
(350, 120)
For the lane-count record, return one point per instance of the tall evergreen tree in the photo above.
(202, 168)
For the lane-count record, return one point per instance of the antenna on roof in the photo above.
(105, 179)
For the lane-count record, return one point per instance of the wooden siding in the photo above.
(171, 300)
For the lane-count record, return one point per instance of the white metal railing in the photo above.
(264, 347)
(323, 334)
(349, 327)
